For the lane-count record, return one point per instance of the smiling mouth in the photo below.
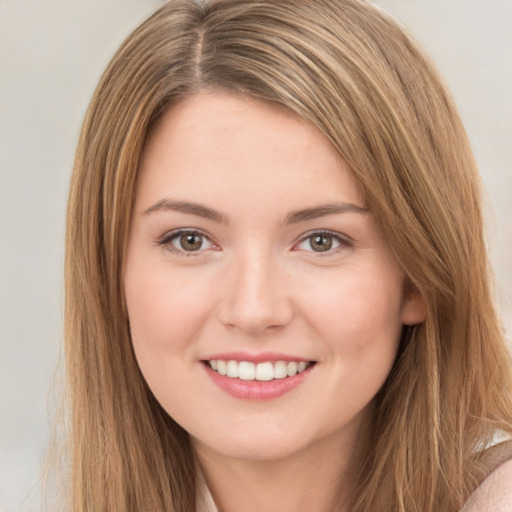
(265, 371)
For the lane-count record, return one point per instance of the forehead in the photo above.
(211, 144)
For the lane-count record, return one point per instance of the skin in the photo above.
(495, 493)
(256, 284)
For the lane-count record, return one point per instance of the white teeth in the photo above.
(232, 369)
(291, 369)
(266, 371)
(246, 371)
(280, 370)
(221, 367)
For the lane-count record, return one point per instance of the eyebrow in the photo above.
(322, 210)
(189, 208)
(294, 217)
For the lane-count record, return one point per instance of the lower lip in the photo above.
(256, 389)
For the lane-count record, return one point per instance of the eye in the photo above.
(187, 241)
(323, 242)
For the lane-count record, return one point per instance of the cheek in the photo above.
(358, 306)
(358, 320)
(165, 311)
(164, 308)
(353, 317)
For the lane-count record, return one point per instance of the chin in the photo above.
(252, 446)
(260, 451)
(276, 442)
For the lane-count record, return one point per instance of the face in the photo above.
(252, 253)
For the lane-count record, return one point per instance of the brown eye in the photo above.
(187, 242)
(324, 243)
(191, 241)
(321, 243)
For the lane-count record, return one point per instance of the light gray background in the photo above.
(51, 55)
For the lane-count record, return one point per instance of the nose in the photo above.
(255, 299)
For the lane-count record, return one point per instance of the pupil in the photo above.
(191, 242)
(321, 243)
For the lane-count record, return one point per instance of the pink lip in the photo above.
(257, 390)
(256, 358)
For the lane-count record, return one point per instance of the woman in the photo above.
(277, 290)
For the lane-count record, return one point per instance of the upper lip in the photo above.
(260, 357)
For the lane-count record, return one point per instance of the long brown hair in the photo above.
(347, 69)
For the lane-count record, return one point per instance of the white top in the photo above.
(493, 495)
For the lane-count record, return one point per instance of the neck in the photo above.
(318, 478)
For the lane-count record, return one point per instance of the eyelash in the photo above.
(167, 239)
(343, 242)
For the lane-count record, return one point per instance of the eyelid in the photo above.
(345, 242)
(166, 239)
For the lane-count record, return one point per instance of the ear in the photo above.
(414, 308)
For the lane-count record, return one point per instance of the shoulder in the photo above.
(495, 493)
